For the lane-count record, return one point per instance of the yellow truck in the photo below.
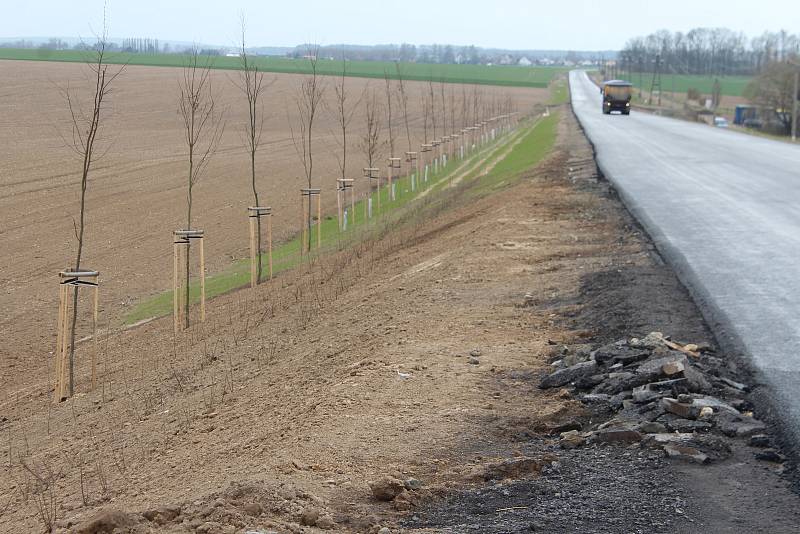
(616, 96)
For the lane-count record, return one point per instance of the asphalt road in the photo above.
(724, 209)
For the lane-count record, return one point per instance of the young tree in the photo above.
(202, 129)
(432, 101)
(253, 86)
(403, 101)
(371, 139)
(86, 128)
(344, 115)
(426, 111)
(308, 101)
(389, 123)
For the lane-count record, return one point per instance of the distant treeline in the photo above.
(131, 45)
(708, 51)
(445, 54)
(435, 53)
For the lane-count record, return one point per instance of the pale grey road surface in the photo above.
(724, 209)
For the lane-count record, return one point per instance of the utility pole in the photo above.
(656, 80)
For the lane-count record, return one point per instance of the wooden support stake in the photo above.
(202, 282)
(58, 378)
(253, 253)
(69, 281)
(269, 242)
(96, 352)
(319, 221)
(304, 224)
(175, 295)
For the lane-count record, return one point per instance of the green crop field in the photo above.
(469, 74)
(731, 85)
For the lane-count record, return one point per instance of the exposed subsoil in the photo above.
(415, 356)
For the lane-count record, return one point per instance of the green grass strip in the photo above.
(286, 255)
(534, 146)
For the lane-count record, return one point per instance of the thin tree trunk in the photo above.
(258, 218)
(188, 243)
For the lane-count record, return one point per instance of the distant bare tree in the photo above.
(308, 101)
(344, 115)
(403, 101)
(426, 112)
(252, 84)
(389, 122)
(444, 108)
(371, 139)
(464, 107)
(85, 131)
(202, 129)
(433, 106)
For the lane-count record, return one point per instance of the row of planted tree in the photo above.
(454, 132)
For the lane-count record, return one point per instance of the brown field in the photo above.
(136, 194)
(413, 353)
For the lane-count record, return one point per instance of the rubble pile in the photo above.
(682, 399)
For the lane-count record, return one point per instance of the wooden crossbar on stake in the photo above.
(310, 192)
(181, 244)
(254, 214)
(72, 280)
(372, 173)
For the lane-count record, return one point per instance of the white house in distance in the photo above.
(524, 62)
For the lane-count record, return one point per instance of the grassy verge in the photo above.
(533, 147)
(286, 255)
(469, 74)
(559, 92)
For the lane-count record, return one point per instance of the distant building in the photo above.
(524, 62)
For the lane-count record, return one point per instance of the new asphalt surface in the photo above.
(723, 208)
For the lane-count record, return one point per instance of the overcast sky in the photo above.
(517, 24)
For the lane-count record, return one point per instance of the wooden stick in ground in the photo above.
(62, 372)
(302, 224)
(183, 282)
(202, 281)
(269, 242)
(175, 296)
(319, 220)
(389, 183)
(253, 268)
(353, 203)
(339, 192)
(58, 379)
(94, 331)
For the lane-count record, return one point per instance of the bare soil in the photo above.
(137, 192)
(415, 354)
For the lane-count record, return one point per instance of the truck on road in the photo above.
(617, 96)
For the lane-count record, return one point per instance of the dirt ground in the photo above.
(416, 355)
(137, 193)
